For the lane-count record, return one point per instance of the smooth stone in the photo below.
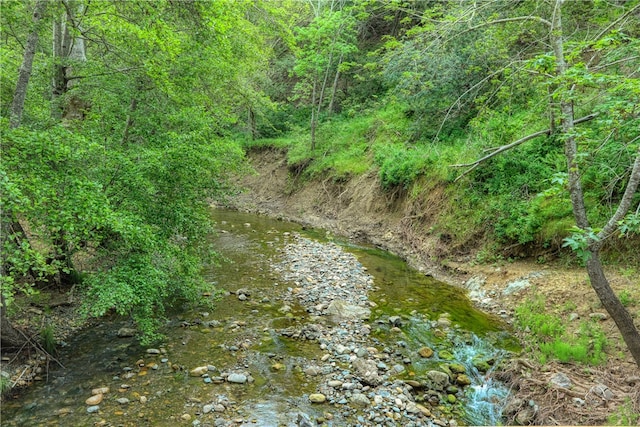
(360, 399)
(199, 371)
(94, 400)
(92, 409)
(237, 378)
(100, 390)
(463, 380)
(153, 351)
(126, 332)
(317, 398)
(122, 400)
(185, 417)
(425, 352)
(335, 383)
(457, 368)
(207, 408)
(439, 379)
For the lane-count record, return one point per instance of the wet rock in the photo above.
(304, 420)
(439, 380)
(237, 378)
(100, 390)
(93, 409)
(457, 368)
(463, 380)
(126, 332)
(317, 398)
(153, 351)
(425, 352)
(395, 321)
(95, 399)
(123, 400)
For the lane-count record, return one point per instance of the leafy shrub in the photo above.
(400, 166)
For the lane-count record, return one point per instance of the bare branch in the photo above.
(503, 148)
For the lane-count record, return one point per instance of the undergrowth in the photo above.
(552, 341)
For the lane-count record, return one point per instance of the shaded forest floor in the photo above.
(357, 209)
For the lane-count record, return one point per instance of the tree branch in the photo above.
(627, 198)
(503, 148)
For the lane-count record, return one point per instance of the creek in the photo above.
(266, 347)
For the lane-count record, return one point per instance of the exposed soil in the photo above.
(357, 209)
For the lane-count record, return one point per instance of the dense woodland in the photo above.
(122, 120)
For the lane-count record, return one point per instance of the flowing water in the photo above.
(238, 334)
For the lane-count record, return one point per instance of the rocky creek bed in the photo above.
(308, 347)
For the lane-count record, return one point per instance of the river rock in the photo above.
(237, 378)
(100, 390)
(463, 380)
(425, 352)
(199, 371)
(368, 371)
(359, 399)
(317, 398)
(207, 408)
(126, 332)
(457, 368)
(95, 399)
(153, 351)
(123, 400)
(92, 409)
(439, 380)
(342, 310)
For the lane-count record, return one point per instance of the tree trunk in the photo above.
(314, 118)
(598, 280)
(335, 86)
(20, 94)
(614, 307)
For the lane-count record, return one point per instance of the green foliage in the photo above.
(580, 241)
(626, 414)
(48, 339)
(399, 166)
(551, 340)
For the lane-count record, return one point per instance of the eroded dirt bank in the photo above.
(358, 210)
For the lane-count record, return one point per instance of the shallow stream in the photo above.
(244, 335)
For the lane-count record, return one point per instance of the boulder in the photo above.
(342, 310)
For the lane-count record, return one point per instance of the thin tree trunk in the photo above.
(598, 280)
(314, 118)
(17, 105)
(335, 85)
(614, 307)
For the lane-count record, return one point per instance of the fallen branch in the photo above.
(503, 148)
